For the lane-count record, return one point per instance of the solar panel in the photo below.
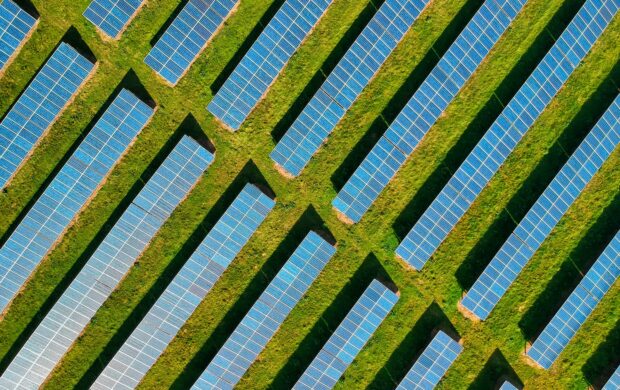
(497, 143)
(579, 305)
(107, 266)
(345, 83)
(266, 58)
(111, 17)
(187, 290)
(349, 338)
(425, 106)
(187, 36)
(15, 27)
(433, 364)
(544, 214)
(39, 106)
(67, 194)
(614, 382)
(507, 386)
(267, 314)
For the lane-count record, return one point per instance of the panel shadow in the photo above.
(495, 371)
(604, 361)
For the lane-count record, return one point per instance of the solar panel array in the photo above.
(433, 364)
(515, 120)
(544, 214)
(345, 83)
(267, 314)
(266, 58)
(425, 106)
(187, 36)
(614, 382)
(107, 266)
(112, 16)
(15, 26)
(349, 338)
(579, 305)
(507, 386)
(39, 106)
(187, 290)
(71, 188)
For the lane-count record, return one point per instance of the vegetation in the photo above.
(428, 298)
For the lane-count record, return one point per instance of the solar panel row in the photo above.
(579, 305)
(188, 288)
(540, 220)
(425, 106)
(266, 58)
(498, 142)
(187, 36)
(433, 364)
(107, 266)
(614, 382)
(39, 106)
(267, 314)
(112, 16)
(507, 386)
(349, 338)
(15, 27)
(69, 191)
(345, 83)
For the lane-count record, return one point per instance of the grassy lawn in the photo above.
(428, 298)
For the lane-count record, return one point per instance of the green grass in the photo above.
(427, 299)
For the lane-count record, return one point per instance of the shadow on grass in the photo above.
(604, 361)
(27, 6)
(310, 346)
(249, 174)
(92, 246)
(326, 68)
(571, 272)
(131, 82)
(309, 220)
(245, 46)
(495, 371)
(168, 22)
(544, 172)
(412, 346)
(483, 120)
(404, 93)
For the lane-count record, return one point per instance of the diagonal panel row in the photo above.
(267, 314)
(187, 36)
(258, 69)
(425, 107)
(15, 27)
(188, 288)
(104, 270)
(614, 382)
(349, 338)
(498, 142)
(69, 191)
(112, 16)
(345, 83)
(544, 215)
(39, 106)
(579, 305)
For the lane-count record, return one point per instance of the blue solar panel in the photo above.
(69, 191)
(579, 305)
(267, 314)
(614, 382)
(112, 16)
(425, 106)
(433, 364)
(515, 120)
(349, 338)
(187, 290)
(38, 107)
(507, 386)
(265, 60)
(187, 36)
(107, 266)
(15, 27)
(544, 214)
(345, 83)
